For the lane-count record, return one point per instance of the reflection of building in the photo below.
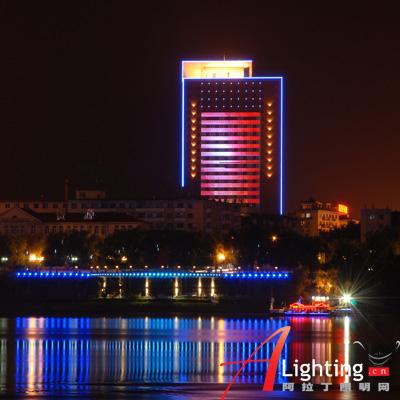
(232, 134)
(315, 217)
(374, 220)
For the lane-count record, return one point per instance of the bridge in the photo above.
(150, 283)
(155, 275)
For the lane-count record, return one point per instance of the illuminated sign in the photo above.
(343, 209)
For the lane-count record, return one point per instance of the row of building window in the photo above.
(85, 206)
(230, 91)
(161, 215)
(181, 225)
(36, 205)
(20, 229)
(236, 82)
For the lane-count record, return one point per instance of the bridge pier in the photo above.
(120, 287)
(176, 287)
(103, 287)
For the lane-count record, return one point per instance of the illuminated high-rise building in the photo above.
(232, 134)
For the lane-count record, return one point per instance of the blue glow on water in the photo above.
(63, 354)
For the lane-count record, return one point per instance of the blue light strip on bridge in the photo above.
(151, 275)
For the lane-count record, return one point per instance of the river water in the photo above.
(179, 357)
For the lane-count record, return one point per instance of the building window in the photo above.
(75, 228)
(36, 205)
(33, 229)
(170, 215)
(170, 205)
(55, 205)
(26, 205)
(90, 230)
(60, 229)
(84, 206)
(121, 205)
(190, 225)
(45, 205)
(180, 205)
(131, 205)
(7, 206)
(116, 228)
(180, 225)
(170, 226)
(112, 205)
(103, 230)
(47, 229)
(96, 230)
(190, 205)
(190, 215)
(53, 229)
(73, 205)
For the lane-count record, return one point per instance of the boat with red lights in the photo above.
(320, 307)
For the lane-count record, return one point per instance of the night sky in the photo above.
(91, 90)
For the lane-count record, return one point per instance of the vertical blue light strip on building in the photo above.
(281, 177)
(183, 132)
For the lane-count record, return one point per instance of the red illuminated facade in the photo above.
(232, 134)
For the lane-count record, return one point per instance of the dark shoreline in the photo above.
(158, 307)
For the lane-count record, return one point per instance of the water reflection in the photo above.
(78, 353)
